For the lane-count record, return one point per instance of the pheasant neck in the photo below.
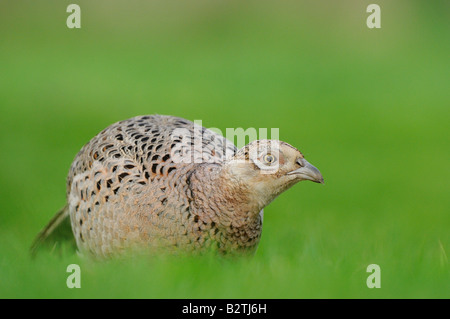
(223, 198)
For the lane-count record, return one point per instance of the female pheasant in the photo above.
(162, 182)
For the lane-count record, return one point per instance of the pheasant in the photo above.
(164, 183)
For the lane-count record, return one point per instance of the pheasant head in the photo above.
(266, 168)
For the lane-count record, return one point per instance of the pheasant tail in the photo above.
(56, 232)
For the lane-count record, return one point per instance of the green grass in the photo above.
(369, 108)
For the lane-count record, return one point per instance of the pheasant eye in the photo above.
(269, 158)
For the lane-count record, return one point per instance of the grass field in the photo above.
(369, 108)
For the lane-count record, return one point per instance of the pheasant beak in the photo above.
(307, 172)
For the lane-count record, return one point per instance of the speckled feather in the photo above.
(124, 189)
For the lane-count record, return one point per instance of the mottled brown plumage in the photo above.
(162, 183)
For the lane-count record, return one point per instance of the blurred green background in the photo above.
(369, 108)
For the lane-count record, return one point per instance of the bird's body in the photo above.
(163, 183)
